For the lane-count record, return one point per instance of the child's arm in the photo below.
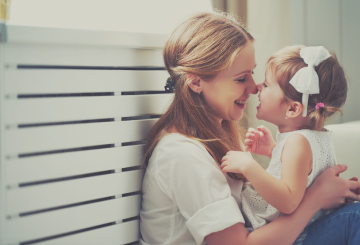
(285, 194)
(260, 141)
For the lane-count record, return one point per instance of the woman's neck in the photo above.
(172, 130)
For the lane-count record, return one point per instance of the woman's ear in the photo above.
(294, 110)
(193, 81)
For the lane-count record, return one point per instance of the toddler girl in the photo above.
(303, 86)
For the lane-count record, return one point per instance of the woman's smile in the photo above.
(240, 103)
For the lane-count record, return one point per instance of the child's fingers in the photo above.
(223, 158)
(225, 169)
(252, 131)
(248, 142)
(259, 134)
(263, 130)
(223, 165)
(250, 135)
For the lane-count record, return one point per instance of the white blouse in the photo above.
(185, 195)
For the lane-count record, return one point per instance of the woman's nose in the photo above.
(252, 89)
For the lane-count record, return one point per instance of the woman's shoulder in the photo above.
(176, 142)
(175, 147)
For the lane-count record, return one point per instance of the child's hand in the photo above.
(259, 141)
(236, 162)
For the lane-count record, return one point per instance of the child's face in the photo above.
(272, 107)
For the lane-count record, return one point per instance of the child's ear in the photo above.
(194, 83)
(294, 110)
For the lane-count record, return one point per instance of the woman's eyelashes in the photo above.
(243, 79)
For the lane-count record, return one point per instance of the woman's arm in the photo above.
(284, 194)
(328, 191)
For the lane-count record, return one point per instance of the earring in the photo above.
(199, 92)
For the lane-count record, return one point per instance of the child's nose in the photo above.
(259, 87)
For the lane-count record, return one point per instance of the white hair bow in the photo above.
(306, 80)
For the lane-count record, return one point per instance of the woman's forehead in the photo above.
(244, 61)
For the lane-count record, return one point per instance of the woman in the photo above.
(186, 198)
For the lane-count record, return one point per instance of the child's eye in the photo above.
(264, 84)
(252, 72)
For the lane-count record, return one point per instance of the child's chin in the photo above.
(258, 116)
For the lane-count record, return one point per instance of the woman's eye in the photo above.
(241, 80)
(252, 72)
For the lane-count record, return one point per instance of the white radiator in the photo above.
(76, 109)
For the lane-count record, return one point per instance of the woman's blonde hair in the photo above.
(332, 83)
(203, 45)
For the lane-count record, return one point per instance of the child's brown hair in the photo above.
(332, 83)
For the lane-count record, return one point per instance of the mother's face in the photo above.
(227, 93)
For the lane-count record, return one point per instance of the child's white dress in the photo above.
(256, 210)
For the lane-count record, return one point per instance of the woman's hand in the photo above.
(357, 191)
(332, 191)
(236, 162)
(259, 141)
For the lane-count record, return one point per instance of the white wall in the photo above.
(155, 16)
(334, 24)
